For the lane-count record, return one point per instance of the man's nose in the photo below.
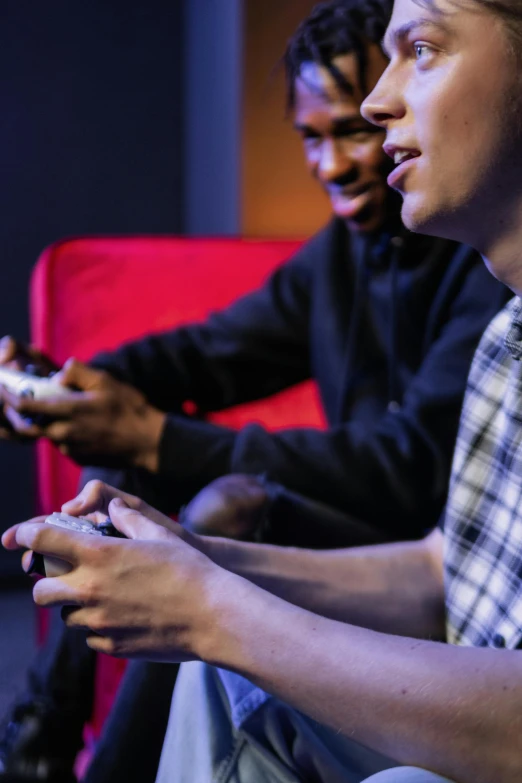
(334, 164)
(384, 103)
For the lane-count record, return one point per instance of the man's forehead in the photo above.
(410, 15)
(319, 97)
(318, 80)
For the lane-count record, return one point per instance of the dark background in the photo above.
(116, 116)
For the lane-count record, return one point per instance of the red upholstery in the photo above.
(92, 294)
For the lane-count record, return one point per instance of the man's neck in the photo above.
(501, 247)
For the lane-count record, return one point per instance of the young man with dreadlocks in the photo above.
(384, 320)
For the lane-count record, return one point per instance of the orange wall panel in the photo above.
(278, 196)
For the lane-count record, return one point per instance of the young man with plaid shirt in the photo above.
(324, 665)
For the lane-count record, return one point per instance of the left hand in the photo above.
(94, 499)
(152, 596)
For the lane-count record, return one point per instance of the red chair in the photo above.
(90, 294)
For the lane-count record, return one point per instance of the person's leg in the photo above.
(250, 737)
(407, 775)
(129, 748)
(202, 743)
(199, 737)
(43, 733)
(61, 676)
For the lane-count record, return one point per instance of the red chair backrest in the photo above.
(91, 294)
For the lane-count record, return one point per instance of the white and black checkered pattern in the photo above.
(483, 521)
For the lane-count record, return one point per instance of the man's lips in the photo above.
(347, 204)
(400, 152)
(399, 171)
(348, 193)
(403, 158)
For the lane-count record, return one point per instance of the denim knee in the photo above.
(406, 775)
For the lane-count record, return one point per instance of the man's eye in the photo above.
(421, 50)
(359, 134)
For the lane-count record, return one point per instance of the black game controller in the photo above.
(53, 566)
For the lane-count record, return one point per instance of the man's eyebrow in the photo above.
(338, 124)
(396, 37)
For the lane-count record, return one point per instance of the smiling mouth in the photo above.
(400, 156)
(352, 205)
(349, 194)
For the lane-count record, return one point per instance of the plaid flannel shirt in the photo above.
(483, 521)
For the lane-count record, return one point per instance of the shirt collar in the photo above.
(513, 336)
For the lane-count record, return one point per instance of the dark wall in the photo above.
(213, 115)
(91, 141)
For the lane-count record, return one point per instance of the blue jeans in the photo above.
(223, 729)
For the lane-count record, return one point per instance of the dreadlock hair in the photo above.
(335, 27)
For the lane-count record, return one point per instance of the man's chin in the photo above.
(421, 220)
(365, 221)
(367, 227)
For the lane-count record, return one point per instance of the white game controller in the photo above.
(53, 566)
(32, 386)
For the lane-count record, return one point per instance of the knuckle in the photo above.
(90, 592)
(104, 549)
(137, 504)
(95, 487)
(36, 537)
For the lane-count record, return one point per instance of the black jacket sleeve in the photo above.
(254, 348)
(393, 475)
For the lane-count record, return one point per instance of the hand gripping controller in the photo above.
(25, 385)
(53, 566)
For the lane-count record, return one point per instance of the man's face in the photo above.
(448, 103)
(344, 151)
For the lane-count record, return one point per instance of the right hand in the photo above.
(94, 499)
(16, 355)
(152, 594)
(101, 422)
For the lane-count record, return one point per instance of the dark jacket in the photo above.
(386, 325)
